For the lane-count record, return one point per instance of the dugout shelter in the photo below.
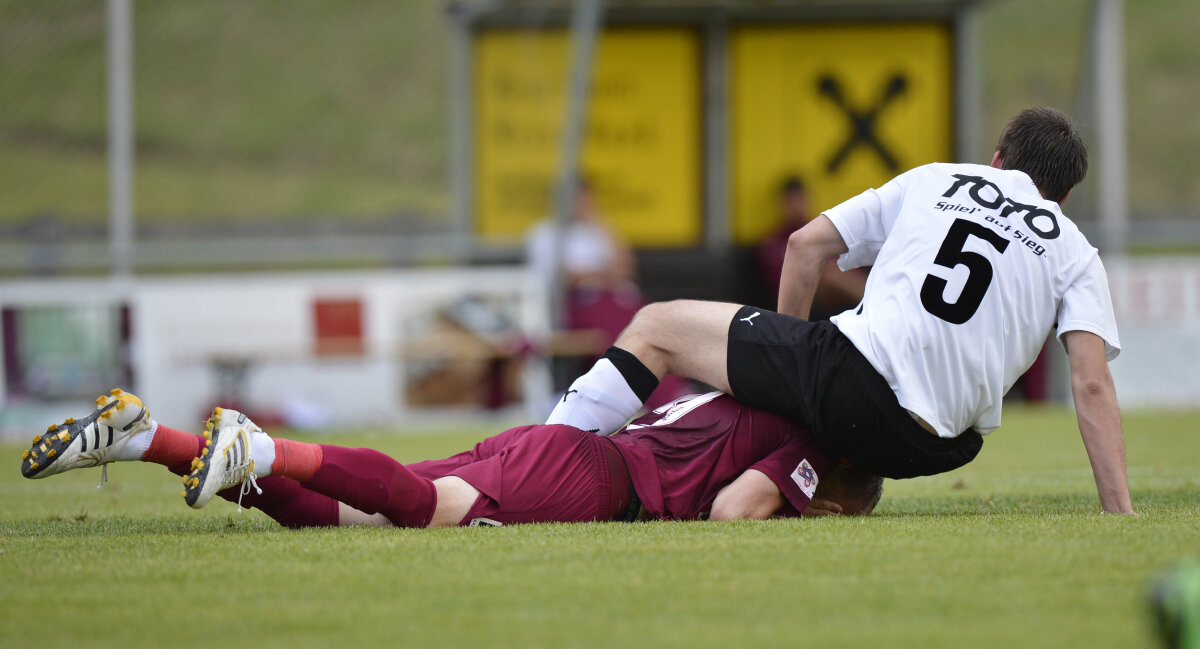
(685, 116)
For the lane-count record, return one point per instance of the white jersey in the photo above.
(972, 270)
(587, 247)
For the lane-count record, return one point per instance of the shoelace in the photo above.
(248, 481)
(103, 467)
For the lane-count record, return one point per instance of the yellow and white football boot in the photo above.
(227, 460)
(95, 440)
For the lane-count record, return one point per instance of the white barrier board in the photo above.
(1157, 302)
(183, 327)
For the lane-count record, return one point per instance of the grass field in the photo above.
(1008, 552)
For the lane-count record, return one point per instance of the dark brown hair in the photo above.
(1043, 143)
(854, 489)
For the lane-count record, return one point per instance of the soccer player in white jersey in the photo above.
(973, 267)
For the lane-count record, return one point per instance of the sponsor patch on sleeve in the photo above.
(805, 477)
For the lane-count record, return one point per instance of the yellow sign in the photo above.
(641, 151)
(844, 106)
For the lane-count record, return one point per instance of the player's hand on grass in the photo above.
(822, 507)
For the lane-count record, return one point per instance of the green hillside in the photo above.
(304, 110)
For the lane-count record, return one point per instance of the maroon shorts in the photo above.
(539, 474)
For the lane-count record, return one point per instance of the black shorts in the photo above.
(812, 374)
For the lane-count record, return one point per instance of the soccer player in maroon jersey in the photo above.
(704, 456)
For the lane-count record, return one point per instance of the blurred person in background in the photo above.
(838, 290)
(597, 264)
(599, 271)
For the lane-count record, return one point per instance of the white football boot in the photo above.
(227, 460)
(92, 441)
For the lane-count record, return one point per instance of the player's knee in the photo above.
(653, 320)
(648, 332)
(646, 318)
(455, 497)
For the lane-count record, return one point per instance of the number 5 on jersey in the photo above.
(979, 269)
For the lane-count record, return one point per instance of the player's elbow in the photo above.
(817, 241)
(1091, 386)
(803, 245)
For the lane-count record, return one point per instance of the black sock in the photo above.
(639, 377)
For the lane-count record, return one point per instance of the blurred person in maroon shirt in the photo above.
(838, 290)
(599, 270)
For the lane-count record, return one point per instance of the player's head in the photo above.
(793, 201)
(1043, 143)
(854, 489)
(583, 202)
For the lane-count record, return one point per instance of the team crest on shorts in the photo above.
(805, 477)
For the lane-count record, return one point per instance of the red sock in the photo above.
(174, 449)
(285, 501)
(295, 460)
(374, 483)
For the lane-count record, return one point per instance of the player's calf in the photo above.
(237, 453)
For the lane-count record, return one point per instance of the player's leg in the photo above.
(683, 337)
(686, 338)
(369, 483)
(546, 474)
(121, 430)
(527, 474)
(454, 499)
(284, 501)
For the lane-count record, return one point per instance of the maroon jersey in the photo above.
(682, 454)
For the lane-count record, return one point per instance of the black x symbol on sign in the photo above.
(862, 124)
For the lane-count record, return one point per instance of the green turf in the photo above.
(1009, 551)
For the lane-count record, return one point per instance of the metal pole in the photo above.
(460, 73)
(968, 72)
(1112, 171)
(585, 24)
(716, 124)
(120, 138)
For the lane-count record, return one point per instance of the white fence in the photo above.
(259, 332)
(1158, 314)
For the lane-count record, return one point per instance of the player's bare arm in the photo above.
(751, 496)
(808, 248)
(754, 496)
(1099, 418)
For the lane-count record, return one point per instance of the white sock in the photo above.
(135, 447)
(262, 449)
(600, 401)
